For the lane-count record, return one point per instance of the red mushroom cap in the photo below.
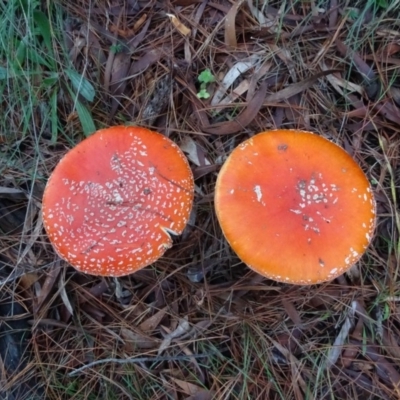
(111, 203)
(294, 206)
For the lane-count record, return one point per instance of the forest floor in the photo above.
(197, 324)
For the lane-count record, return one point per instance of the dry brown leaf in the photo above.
(361, 65)
(64, 295)
(244, 118)
(138, 39)
(47, 286)
(256, 77)
(129, 32)
(138, 24)
(198, 16)
(295, 365)
(184, 30)
(350, 352)
(333, 13)
(157, 100)
(78, 44)
(392, 346)
(338, 82)
(296, 88)
(292, 312)
(361, 110)
(187, 387)
(385, 370)
(230, 77)
(110, 60)
(198, 172)
(27, 255)
(119, 71)
(192, 150)
(28, 279)
(95, 48)
(230, 25)
(394, 94)
(182, 328)
(285, 55)
(236, 93)
(256, 13)
(202, 395)
(144, 62)
(260, 98)
(151, 323)
(389, 111)
(337, 347)
(99, 289)
(137, 340)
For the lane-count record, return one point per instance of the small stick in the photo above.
(134, 360)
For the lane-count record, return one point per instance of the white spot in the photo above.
(295, 211)
(333, 271)
(257, 191)
(117, 197)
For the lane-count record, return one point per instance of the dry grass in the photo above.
(197, 324)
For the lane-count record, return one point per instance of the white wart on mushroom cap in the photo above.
(294, 206)
(111, 203)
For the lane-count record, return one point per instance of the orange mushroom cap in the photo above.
(294, 206)
(111, 203)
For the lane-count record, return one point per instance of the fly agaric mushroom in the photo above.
(112, 202)
(294, 206)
